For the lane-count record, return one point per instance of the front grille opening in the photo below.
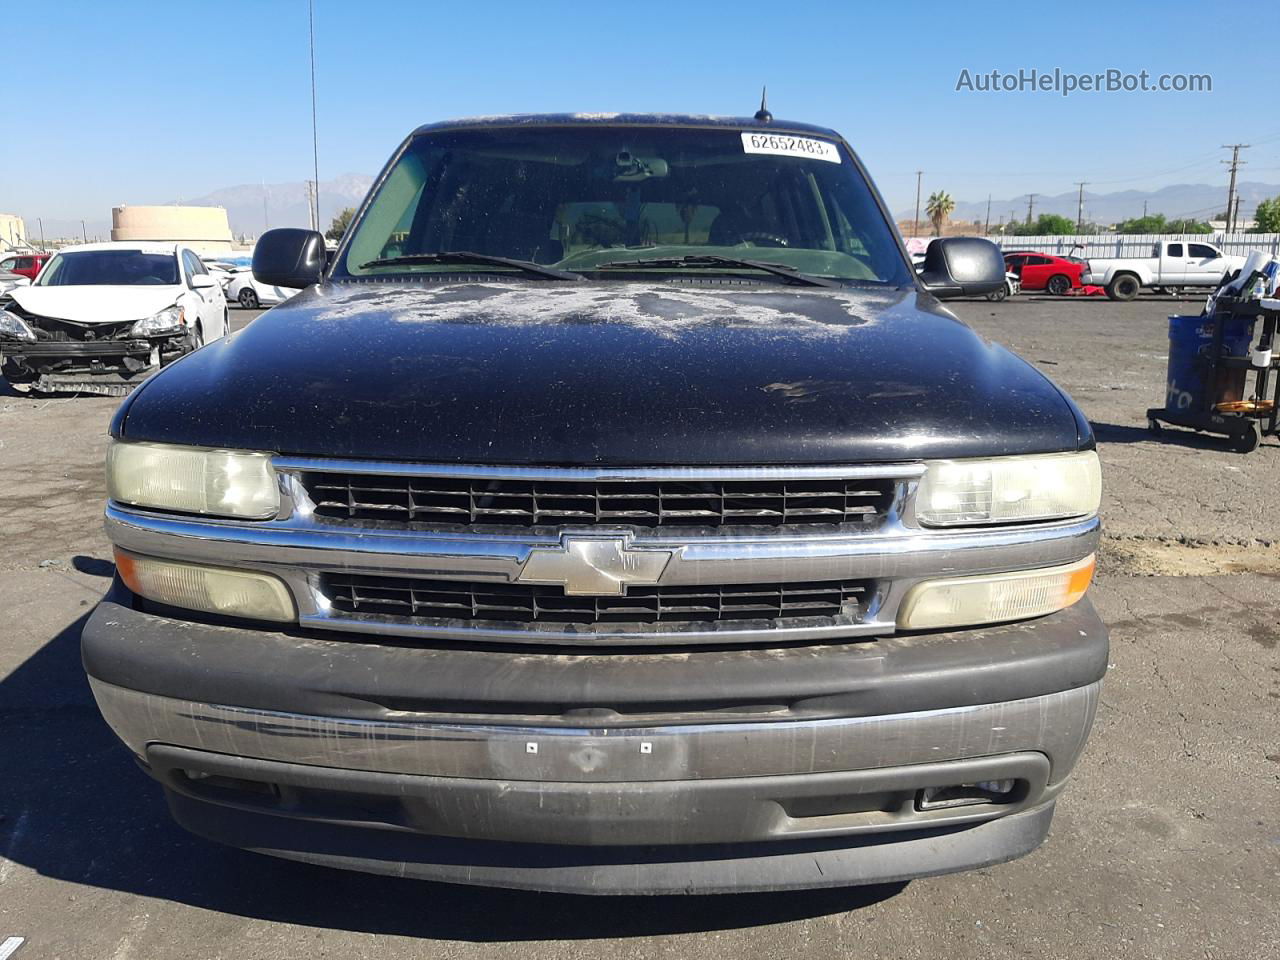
(417, 599)
(315, 803)
(204, 782)
(436, 501)
(982, 793)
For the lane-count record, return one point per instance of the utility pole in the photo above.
(1144, 209)
(1080, 206)
(83, 233)
(1235, 162)
(312, 216)
(266, 217)
(315, 146)
(915, 225)
(1031, 202)
(986, 229)
(43, 248)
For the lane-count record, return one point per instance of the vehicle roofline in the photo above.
(620, 120)
(174, 245)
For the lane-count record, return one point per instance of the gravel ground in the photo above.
(1167, 844)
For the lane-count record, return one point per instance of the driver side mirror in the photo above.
(962, 267)
(289, 257)
(203, 281)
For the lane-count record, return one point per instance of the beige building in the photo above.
(204, 229)
(13, 232)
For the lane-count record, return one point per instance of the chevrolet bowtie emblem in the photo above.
(589, 565)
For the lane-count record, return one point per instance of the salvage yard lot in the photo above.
(1168, 844)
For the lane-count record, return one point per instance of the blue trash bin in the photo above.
(1190, 343)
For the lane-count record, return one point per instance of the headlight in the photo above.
(1009, 489)
(232, 593)
(219, 483)
(168, 321)
(995, 598)
(12, 325)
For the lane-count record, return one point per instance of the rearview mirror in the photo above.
(962, 267)
(289, 257)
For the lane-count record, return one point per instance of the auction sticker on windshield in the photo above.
(783, 145)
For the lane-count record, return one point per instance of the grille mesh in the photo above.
(409, 500)
(413, 598)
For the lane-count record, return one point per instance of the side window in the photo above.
(1039, 261)
(1175, 249)
(191, 265)
(24, 263)
(1202, 251)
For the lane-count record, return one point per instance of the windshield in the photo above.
(578, 198)
(115, 268)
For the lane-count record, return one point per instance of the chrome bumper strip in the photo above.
(298, 549)
(894, 554)
(288, 464)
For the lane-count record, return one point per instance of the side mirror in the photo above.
(962, 267)
(289, 257)
(203, 281)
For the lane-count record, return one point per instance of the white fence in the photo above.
(1138, 244)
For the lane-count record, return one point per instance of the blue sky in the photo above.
(137, 102)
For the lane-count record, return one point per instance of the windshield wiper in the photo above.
(715, 260)
(466, 256)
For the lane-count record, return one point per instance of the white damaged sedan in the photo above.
(102, 317)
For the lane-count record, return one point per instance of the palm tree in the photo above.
(939, 208)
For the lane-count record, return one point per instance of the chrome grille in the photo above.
(415, 599)
(470, 501)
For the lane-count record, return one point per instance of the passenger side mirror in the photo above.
(961, 267)
(289, 257)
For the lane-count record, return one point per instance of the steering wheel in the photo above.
(764, 238)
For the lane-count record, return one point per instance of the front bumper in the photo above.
(74, 349)
(108, 367)
(606, 772)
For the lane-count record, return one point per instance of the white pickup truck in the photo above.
(1173, 263)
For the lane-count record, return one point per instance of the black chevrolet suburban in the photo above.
(618, 512)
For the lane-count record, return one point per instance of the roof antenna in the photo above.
(763, 114)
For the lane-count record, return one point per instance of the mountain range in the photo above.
(286, 205)
(1199, 201)
(253, 207)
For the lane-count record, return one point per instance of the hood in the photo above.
(96, 304)
(605, 374)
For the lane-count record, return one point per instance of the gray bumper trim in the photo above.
(705, 869)
(661, 813)
(1055, 725)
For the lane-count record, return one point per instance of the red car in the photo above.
(1040, 271)
(23, 264)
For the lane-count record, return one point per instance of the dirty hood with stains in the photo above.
(529, 372)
